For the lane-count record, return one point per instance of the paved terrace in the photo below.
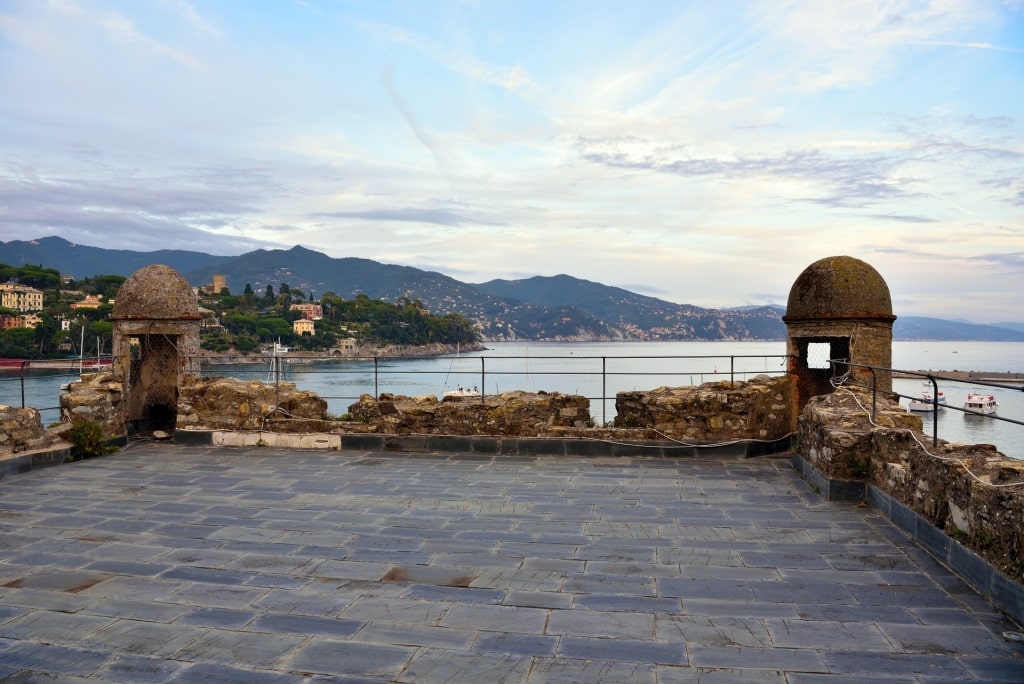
(170, 563)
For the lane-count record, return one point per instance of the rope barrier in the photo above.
(840, 382)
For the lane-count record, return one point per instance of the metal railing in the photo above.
(841, 374)
(601, 376)
(598, 378)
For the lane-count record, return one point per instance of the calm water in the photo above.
(600, 370)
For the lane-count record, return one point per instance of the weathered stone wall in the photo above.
(837, 437)
(213, 403)
(509, 414)
(99, 398)
(761, 408)
(21, 429)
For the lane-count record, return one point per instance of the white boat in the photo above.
(462, 392)
(459, 390)
(978, 403)
(924, 402)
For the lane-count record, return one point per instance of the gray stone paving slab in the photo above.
(163, 563)
(517, 644)
(132, 669)
(30, 657)
(323, 656)
(441, 667)
(719, 631)
(405, 634)
(260, 650)
(573, 671)
(491, 618)
(144, 638)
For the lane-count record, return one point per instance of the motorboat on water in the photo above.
(926, 402)
(979, 403)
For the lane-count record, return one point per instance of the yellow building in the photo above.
(303, 327)
(20, 297)
(90, 302)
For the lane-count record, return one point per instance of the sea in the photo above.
(598, 370)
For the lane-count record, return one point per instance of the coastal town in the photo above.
(50, 317)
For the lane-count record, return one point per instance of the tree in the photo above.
(18, 343)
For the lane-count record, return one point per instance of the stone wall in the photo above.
(511, 413)
(213, 403)
(840, 439)
(96, 397)
(20, 430)
(761, 408)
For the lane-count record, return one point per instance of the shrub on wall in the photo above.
(87, 441)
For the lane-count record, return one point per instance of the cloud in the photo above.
(514, 79)
(189, 13)
(174, 211)
(440, 217)
(971, 46)
(123, 29)
(854, 180)
(903, 218)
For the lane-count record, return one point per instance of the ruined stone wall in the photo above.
(213, 403)
(837, 436)
(99, 398)
(21, 429)
(518, 413)
(761, 408)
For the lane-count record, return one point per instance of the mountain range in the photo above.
(556, 308)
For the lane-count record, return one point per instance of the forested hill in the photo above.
(83, 261)
(540, 308)
(558, 308)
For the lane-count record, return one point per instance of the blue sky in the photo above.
(700, 152)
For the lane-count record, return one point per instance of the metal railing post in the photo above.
(935, 411)
(376, 391)
(22, 376)
(874, 394)
(483, 378)
(604, 391)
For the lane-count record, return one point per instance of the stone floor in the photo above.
(168, 563)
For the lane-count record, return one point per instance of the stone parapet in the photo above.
(960, 489)
(761, 409)
(20, 430)
(214, 403)
(95, 397)
(511, 413)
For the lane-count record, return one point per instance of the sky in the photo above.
(699, 152)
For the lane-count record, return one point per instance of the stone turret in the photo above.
(839, 309)
(156, 343)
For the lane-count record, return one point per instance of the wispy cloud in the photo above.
(189, 13)
(440, 217)
(971, 46)
(511, 78)
(123, 29)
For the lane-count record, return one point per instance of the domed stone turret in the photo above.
(839, 287)
(155, 292)
(156, 344)
(839, 327)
